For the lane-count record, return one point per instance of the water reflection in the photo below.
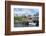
(25, 25)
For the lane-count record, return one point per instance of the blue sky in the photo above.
(25, 11)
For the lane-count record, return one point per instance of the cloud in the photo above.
(26, 11)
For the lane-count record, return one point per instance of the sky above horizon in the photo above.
(25, 11)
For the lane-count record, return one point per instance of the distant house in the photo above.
(32, 18)
(29, 18)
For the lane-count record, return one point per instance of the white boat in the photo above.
(32, 24)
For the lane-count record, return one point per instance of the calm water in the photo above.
(24, 25)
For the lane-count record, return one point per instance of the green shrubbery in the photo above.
(19, 18)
